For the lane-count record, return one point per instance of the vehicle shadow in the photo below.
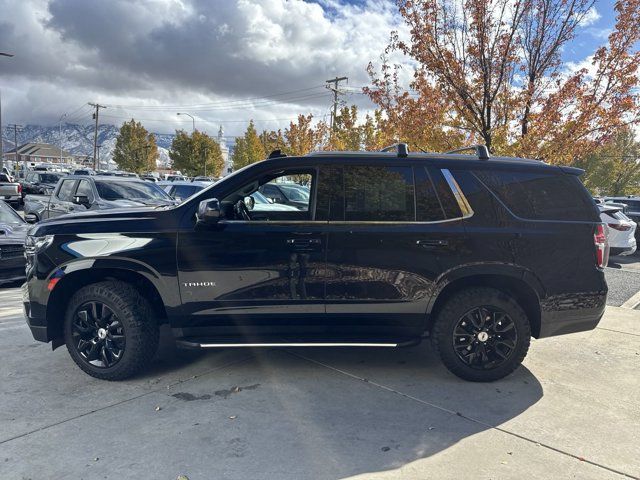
(361, 410)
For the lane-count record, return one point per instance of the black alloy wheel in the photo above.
(98, 334)
(485, 337)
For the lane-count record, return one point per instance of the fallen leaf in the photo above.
(233, 417)
(158, 409)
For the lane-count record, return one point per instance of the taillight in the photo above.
(619, 226)
(602, 246)
(19, 188)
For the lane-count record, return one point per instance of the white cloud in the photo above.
(591, 17)
(176, 52)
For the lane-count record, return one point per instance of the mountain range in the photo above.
(78, 140)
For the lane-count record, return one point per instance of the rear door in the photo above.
(393, 229)
(61, 202)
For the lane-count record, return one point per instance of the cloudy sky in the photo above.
(223, 61)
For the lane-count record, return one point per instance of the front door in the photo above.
(62, 202)
(390, 237)
(258, 269)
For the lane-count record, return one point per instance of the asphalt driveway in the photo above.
(571, 411)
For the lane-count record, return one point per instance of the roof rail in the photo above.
(401, 148)
(481, 150)
(277, 154)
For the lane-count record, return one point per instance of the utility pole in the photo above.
(60, 133)
(335, 91)
(95, 132)
(98, 158)
(15, 144)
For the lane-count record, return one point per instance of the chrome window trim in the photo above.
(463, 203)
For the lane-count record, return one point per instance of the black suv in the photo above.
(477, 253)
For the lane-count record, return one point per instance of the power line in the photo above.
(211, 104)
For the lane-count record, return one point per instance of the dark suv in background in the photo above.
(479, 254)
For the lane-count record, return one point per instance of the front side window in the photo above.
(84, 190)
(379, 193)
(66, 190)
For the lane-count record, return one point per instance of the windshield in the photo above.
(8, 215)
(110, 190)
(50, 177)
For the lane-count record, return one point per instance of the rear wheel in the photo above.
(110, 331)
(481, 334)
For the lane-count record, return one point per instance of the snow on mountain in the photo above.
(78, 140)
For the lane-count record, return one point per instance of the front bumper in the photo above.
(35, 317)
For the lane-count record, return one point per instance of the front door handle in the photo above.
(430, 244)
(304, 241)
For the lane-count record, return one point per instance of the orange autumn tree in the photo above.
(490, 71)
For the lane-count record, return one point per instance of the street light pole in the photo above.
(1, 142)
(60, 133)
(193, 120)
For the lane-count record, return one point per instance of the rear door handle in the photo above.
(432, 243)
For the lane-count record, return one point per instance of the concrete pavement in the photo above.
(571, 411)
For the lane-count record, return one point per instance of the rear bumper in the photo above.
(561, 316)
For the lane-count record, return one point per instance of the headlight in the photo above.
(33, 245)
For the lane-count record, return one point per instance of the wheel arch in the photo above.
(71, 282)
(513, 283)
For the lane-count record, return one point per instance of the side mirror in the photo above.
(81, 200)
(30, 218)
(209, 211)
(249, 202)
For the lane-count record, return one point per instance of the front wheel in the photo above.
(481, 334)
(110, 330)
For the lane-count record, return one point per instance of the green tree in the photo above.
(249, 148)
(614, 168)
(136, 149)
(196, 154)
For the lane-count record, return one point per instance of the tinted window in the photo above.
(110, 190)
(379, 193)
(447, 199)
(49, 178)
(540, 195)
(330, 204)
(428, 205)
(66, 190)
(182, 192)
(84, 189)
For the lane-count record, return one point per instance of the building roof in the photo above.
(40, 150)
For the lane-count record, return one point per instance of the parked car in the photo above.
(632, 211)
(10, 191)
(285, 194)
(13, 231)
(620, 229)
(181, 190)
(78, 193)
(203, 178)
(40, 183)
(84, 171)
(476, 253)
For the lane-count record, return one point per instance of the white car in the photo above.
(620, 228)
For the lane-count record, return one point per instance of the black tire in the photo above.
(470, 303)
(137, 329)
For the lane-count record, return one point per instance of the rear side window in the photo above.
(540, 196)
(428, 206)
(379, 193)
